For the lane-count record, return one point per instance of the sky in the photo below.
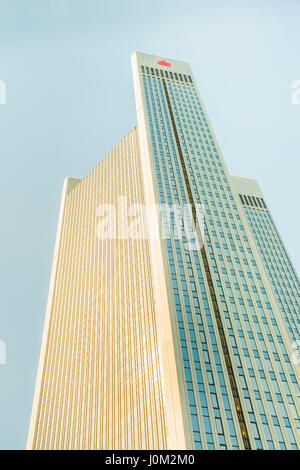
(69, 98)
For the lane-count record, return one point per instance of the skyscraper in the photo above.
(155, 339)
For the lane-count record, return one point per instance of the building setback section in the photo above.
(274, 255)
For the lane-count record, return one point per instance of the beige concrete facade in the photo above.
(100, 383)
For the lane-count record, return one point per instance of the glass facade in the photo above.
(240, 386)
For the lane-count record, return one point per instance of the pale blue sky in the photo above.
(66, 65)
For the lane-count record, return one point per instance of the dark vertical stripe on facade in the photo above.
(212, 293)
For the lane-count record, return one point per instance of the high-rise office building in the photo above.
(157, 339)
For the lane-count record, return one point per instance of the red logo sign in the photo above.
(164, 62)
